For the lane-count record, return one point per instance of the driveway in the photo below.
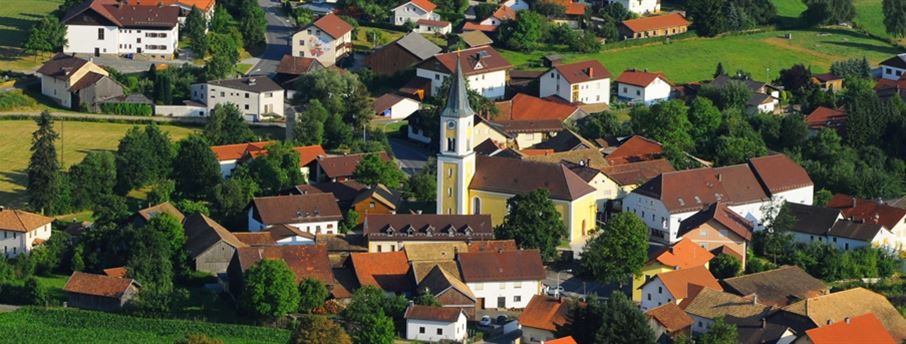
(412, 158)
(575, 286)
(279, 32)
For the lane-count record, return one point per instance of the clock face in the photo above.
(451, 124)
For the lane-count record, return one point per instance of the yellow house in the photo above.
(683, 255)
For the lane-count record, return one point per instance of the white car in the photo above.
(554, 291)
(485, 321)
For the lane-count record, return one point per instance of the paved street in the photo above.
(575, 286)
(279, 31)
(412, 157)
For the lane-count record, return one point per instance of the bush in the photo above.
(127, 109)
(15, 99)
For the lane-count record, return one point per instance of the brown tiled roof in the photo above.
(280, 232)
(867, 211)
(13, 220)
(276, 210)
(656, 22)
(670, 316)
(683, 255)
(166, 208)
(202, 232)
(342, 243)
(296, 65)
(637, 172)
(385, 101)
(826, 77)
(236, 151)
(524, 265)
(304, 260)
(641, 78)
(391, 199)
(439, 279)
(530, 126)
(389, 271)
(515, 176)
(836, 307)
(439, 314)
(471, 26)
(719, 212)
(544, 313)
(333, 25)
(435, 23)
(825, 117)
(255, 238)
(525, 107)
(779, 173)
(691, 190)
(430, 227)
(475, 38)
(583, 71)
(678, 281)
(117, 272)
(778, 287)
(88, 79)
(345, 192)
(421, 269)
(344, 165)
(493, 245)
(128, 15)
(865, 328)
(636, 148)
(898, 61)
(434, 251)
(710, 304)
(97, 285)
(489, 59)
(504, 13)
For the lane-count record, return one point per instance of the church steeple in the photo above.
(458, 96)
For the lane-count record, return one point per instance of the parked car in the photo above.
(502, 319)
(485, 321)
(554, 291)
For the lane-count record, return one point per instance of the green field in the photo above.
(870, 14)
(695, 59)
(16, 18)
(78, 138)
(54, 285)
(35, 325)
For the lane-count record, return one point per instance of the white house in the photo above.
(256, 97)
(433, 26)
(754, 190)
(228, 155)
(435, 324)
(392, 106)
(516, 5)
(674, 286)
(894, 68)
(484, 67)
(502, 14)
(506, 279)
(640, 6)
(22, 231)
(830, 226)
(412, 11)
(327, 39)
(312, 213)
(643, 87)
(76, 83)
(106, 27)
(873, 212)
(586, 82)
(285, 235)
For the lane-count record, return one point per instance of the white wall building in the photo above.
(412, 11)
(894, 68)
(502, 279)
(485, 69)
(643, 87)
(673, 286)
(20, 231)
(392, 106)
(101, 27)
(516, 5)
(586, 82)
(435, 324)
(640, 6)
(311, 213)
(327, 39)
(256, 97)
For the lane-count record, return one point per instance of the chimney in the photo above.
(591, 73)
(854, 202)
(754, 299)
(251, 81)
(846, 320)
(764, 322)
(720, 177)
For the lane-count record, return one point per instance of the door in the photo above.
(501, 302)
(97, 51)
(138, 50)
(480, 304)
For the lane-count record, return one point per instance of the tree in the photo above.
(620, 250)
(196, 29)
(43, 166)
(830, 12)
(92, 178)
(226, 126)
(252, 23)
(705, 120)
(142, 157)
(524, 32)
(46, 36)
(423, 184)
(270, 290)
(616, 320)
(319, 330)
(276, 171)
(734, 94)
(720, 70)
(533, 222)
(602, 125)
(720, 333)
(895, 17)
(110, 209)
(370, 315)
(198, 339)
(549, 8)
(150, 262)
(343, 96)
(195, 170)
(725, 266)
(774, 240)
(350, 221)
(484, 10)
(312, 294)
(232, 195)
(707, 16)
(220, 66)
(732, 150)
(373, 170)
(309, 130)
(162, 191)
(852, 68)
(666, 122)
(796, 79)
(375, 329)
(37, 293)
(427, 299)
(78, 262)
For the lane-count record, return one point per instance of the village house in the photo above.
(307, 261)
(388, 233)
(828, 82)
(752, 190)
(401, 55)
(656, 26)
(637, 86)
(572, 12)
(99, 292)
(764, 98)
(291, 68)
(684, 254)
(22, 231)
(143, 216)
(586, 82)
(76, 83)
(448, 289)
(311, 213)
(185, 7)
(824, 117)
(395, 107)
(640, 7)
(828, 225)
(872, 212)
(502, 14)
(435, 324)
(256, 97)
(112, 28)
(668, 322)
(473, 39)
(486, 70)
(861, 329)
(412, 11)
(542, 317)
(705, 305)
(344, 192)
(503, 279)
(376, 200)
(778, 287)
(826, 310)
(327, 39)
(675, 286)
(388, 271)
(894, 68)
(228, 155)
(210, 246)
(719, 229)
(526, 118)
(437, 27)
(339, 168)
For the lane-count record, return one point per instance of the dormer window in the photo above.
(410, 230)
(429, 231)
(390, 230)
(468, 230)
(451, 231)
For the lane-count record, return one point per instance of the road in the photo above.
(574, 286)
(279, 33)
(412, 158)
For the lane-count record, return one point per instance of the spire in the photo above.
(458, 97)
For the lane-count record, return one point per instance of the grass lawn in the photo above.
(37, 325)
(16, 18)
(695, 59)
(54, 285)
(78, 139)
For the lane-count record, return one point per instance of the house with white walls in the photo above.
(755, 190)
(516, 5)
(392, 106)
(412, 11)
(675, 286)
(502, 14)
(873, 212)
(22, 231)
(485, 69)
(639, 7)
(637, 86)
(327, 39)
(829, 226)
(113, 28)
(76, 83)
(502, 279)
(435, 324)
(586, 82)
(256, 97)
(312, 213)
(894, 68)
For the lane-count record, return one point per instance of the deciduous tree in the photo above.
(533, 222)
(312, 294)
(720, 332)
(226, 126)
(725, 266)
(314, 329)
(619, 251)
(92, 178)
(195, 170)
(373, 170)
(270, 290)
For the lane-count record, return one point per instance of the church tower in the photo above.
(456, 160)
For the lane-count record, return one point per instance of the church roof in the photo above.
(517, 177)
(458, 98)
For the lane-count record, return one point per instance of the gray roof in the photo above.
(855, 230)
(255, 84)
(458, 98)
(812, 219)
(418, 45)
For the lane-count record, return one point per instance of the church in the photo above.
(471, 184)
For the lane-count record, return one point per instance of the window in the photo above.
(379, 248)
(440, 332)
(660, 290)
(246, 95)
(517, 285)
(371, 204)
(476, 209)
(638, 92)
(449, 192)
(649, 297)
(421, 329)
(449, 172)
(436, 76)
(451, 143)
(246, 106)
(517, 298)
(269, 95)
(100, 34)
(222, 94)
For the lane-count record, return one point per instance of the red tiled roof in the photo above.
(202, 5)
(263, 238)
(296, 65)
(670, 316)
(389, 271)
(424, 4)
(684, 254)
(492, 245)
(487, 266)
(13, 220)
(435, 23)
(117, 272)
(656, 22)
(306, 261)
(690, 190)
(825, 117)
(525, 107)
(333, 25)
(544, 313)
(678, 281)
(504, 13)
(97, 285)
(471, 26)
(861, 329)
(477, 60)
(779, 173)
(571, 8)
(307, 154)
(826, 77)
(236, 151)
(275, 210)
(641, 78)
(128, 15)
(867, 211)
(637, 172)
(636, 148)
(562, 340)
(583, 71)
(344, 165)
(438, 314)
(722, 214)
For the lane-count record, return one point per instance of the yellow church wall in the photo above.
(449, 189)
(584, 210)
(493, 204)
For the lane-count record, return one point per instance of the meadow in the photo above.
(16, 18)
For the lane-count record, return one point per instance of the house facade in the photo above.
(636, 86)
(327, 39)
(586, 82)
(656, 26)
(639, 7)
(104, 27)
(400, 55)
(894, 68)
(76, 83)
(435, 324)
(675, 286)
(412, 11)
(684, 254)
(873, 212)
(389, 233)
(484, 67)
(228, 155)
(21, 231)
(99, 292)
(506, 279)
(255, 97)
(210, 245)
(392, 106)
